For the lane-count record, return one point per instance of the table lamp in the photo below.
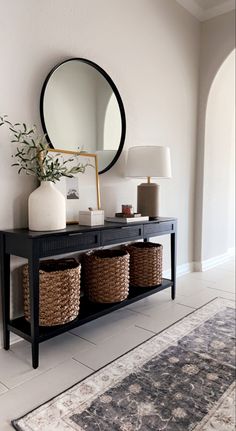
(149, 162)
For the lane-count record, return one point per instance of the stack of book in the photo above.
(123, 218)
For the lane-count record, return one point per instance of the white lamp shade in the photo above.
(148, 161)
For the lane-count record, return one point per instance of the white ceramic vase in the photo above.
(46, 208)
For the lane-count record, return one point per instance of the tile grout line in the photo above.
(82, 363)
(82, 338)
(221, 290)
(41, 374)
(139, 313)
(6, 387)
(176, 321)
(147, 330)
(187, 306)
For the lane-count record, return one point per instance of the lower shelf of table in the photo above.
(88, 312)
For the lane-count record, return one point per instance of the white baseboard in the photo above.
(197, 266)
(183, 269)
(186, 268)
(214, 261)
(231, 252)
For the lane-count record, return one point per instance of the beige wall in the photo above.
(218, 38)
(150, 49)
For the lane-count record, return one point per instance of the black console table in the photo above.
(36, 245)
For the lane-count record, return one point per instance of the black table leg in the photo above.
(35, 354)
(5, 292)
(173, 263)
(34, 306)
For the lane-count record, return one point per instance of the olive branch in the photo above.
(33, 157)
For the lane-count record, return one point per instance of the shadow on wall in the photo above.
(112, 196)
(20, 210)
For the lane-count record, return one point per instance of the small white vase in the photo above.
(46, 208)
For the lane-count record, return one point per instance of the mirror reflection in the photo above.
(81, 109)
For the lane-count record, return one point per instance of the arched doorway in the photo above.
(218, 175)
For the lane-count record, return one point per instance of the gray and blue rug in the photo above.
(181, 379)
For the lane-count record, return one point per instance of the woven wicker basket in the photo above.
(145, 264)
(105, 275)
(59, 291)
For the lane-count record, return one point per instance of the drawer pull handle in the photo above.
(75, 234)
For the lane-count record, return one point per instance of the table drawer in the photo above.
(121, 234)
(70, 243)
(157, 228)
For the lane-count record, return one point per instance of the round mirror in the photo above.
(81, 109)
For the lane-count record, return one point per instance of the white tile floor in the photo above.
(70, 357)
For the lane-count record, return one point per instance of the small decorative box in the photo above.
(91, 218)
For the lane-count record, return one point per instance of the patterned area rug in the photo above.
(181, 379)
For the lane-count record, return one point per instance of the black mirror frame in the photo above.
(118, 97)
